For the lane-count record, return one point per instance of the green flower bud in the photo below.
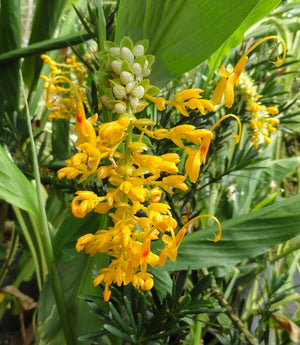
(146, 72)
(119, 92)
(138, 50)
(137, 69)
(138, 91)
(134, 102)
(130, 86)
(126, 77)
(115, 51)
(108, 67)
(120, 108)
(116, 66)
(107, 102)
(126, 54)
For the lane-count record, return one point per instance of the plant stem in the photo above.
(197, 330)
(47, 45)
(46, 239)
(230, 312)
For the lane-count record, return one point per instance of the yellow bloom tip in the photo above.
(277, 63)
(236, 137)
(217, 238)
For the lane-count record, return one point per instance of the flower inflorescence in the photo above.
(135, 177)
(261, 122)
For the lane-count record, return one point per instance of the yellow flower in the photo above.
(183, 95)
(172, 243)
(193, 163)
(175, 181)
(143, 281)
(187, 98)
(231, 79)
(261, 123)
(85, 202)
(226, 84)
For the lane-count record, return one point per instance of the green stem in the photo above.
(47, 45)
(298, 180)
(233, 280)
(292, 246)
(213, 197)
(128, 141)
(197, 330)
(46, 239)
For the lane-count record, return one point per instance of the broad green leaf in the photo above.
(243, 238)
(10, 38)
(162, 282)
(14, 186)
(185, 33)
(76, 279)
(69, 231)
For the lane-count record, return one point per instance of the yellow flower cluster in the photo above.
(137, 180)
(261, 122)
(133, 200)
(187, 98)
(57, 83)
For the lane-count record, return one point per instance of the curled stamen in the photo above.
(217, 236)
(236, 137)
(277, 63)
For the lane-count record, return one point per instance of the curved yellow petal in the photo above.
(229, 94)
(219, 90)
(192, 164)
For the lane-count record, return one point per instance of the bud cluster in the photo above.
(125, 67)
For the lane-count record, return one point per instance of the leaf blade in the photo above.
(14, 186)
